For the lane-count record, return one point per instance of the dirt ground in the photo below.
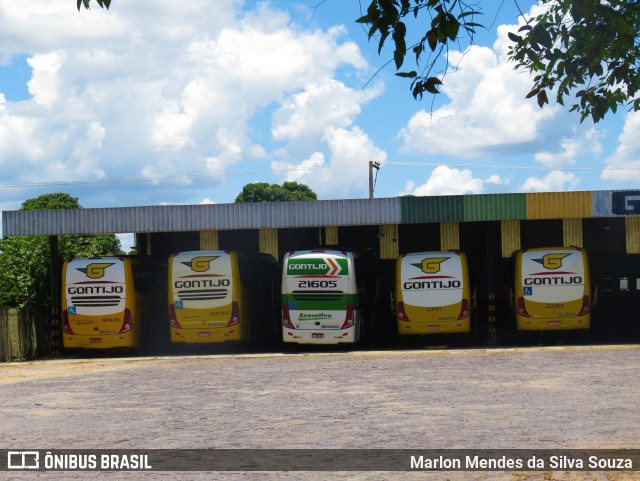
(530, 398)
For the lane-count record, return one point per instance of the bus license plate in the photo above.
(95, 339)
(554, 323)
(317, 335)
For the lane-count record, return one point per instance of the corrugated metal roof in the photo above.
(559, 205)
(201, 217)
(495, 207)
(349, 212)
(416, 210)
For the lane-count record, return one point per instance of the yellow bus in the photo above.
(217, 296)
(433, 295)
(106, 302)
(552, 289)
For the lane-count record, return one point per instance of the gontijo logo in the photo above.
(552, 261)
(95, 270)
(200, 263)
(431, 265)
(318, 267)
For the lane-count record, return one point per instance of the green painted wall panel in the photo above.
(445, 208)
(495, 207)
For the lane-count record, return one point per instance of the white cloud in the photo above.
(488, 113)
(162, 88)
(449, 181)
(305, 115)
(579, 143)
(552, 182)
(347, 172)
(627, 154)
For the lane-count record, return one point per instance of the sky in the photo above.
(162, 102)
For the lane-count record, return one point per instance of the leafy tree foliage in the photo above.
(102, 3)
(263, 192)
(25, 261)
(588, 49)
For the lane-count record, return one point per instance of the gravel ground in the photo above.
(530, 398)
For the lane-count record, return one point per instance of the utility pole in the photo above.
(372, 165)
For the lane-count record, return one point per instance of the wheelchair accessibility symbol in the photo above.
(527, 291)
(71, 310)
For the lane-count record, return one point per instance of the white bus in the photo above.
(322, 300)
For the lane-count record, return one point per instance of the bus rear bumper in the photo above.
(436, 327)
(565, 324)
(99, 342)
(205, 336)
(326, 336)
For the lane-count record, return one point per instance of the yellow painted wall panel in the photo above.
(632, 233)
(269, 241)
(449, 236)
(331, 235)
(510, 236)
(209, 240)
(572, 232)
(389, 242)
(559, 205)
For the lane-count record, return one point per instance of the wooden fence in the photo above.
(24, 334)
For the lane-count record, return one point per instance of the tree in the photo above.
(263, 192)
(25, 261)
(585, 48)
(102, 3)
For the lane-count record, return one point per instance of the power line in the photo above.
(507, 166)
(188, 177)
(166, 178)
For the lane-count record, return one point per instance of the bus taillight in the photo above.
(235, 314)
(402, 315)
(522, 310)
(348, 321)
(66, 328)
(286, 317)
(586, 306)
(126, 324)
(464, 310)
(173, 318)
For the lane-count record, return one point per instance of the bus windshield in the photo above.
(95, 287)
(201, 280)
(432, 279)
(553, 276)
